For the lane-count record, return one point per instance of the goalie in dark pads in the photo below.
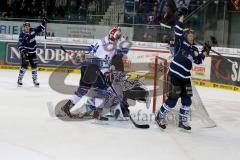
(179, 76)
(131, 88)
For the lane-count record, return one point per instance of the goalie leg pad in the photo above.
(90, 104)
(136, 93)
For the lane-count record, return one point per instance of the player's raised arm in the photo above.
(41, 27)
(178, 29)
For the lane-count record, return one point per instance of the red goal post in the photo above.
(160, 75)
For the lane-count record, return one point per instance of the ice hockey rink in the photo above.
(28, 132)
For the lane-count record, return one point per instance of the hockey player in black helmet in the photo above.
(27, 47)
(179, 75)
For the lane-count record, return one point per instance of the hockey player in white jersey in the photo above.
(95, 71)
(128, 88)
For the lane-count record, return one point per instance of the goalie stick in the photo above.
(142, 126)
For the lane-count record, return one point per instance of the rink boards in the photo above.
(203, 83)
(214, 72)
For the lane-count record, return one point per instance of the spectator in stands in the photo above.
(92, 7)
(73, 8)
(151, 30)
(83, 8)
(142, 7)
(152, 17)
(42, 10)
(53, 8)
(60, 6)
(9, 8)
(161, 5)
(34, 10)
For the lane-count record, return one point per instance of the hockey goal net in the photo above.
(198, 113)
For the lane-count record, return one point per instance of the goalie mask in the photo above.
(114, 34)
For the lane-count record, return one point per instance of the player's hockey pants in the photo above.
(177, 88)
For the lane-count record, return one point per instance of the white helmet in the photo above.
(114, 34)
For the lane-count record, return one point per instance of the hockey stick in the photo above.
(219, 54)
(64, 50)
(197, 10)
(45, 30)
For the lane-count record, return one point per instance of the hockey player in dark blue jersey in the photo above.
(179, 75)
(27, 47)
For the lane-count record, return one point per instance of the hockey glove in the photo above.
(206, 49)
(24, 53)
(108, 78)
(122, 51)
(182, 12)
(44, 21)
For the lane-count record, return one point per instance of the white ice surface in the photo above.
(27, 132)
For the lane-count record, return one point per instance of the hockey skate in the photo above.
(36, 83)
(184, 125)
(19, 82)
(161, 121)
